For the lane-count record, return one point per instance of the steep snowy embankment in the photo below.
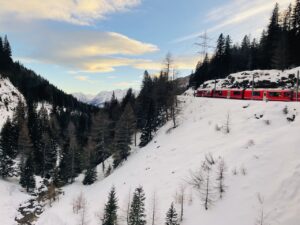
(262, 79)
(261, 143)
(9, 99)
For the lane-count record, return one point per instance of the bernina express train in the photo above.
(249, 94)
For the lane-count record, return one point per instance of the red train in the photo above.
(248, 94)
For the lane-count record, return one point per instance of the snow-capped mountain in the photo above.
(102, 97)
(9, 99)
(262, 79)
(83, 97)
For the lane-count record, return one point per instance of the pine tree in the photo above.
(296, 34)
(171, 218)
(137, 214)
(123, 136)
(91, 172)
(7, 150)
(90, 176)
(110, 210)
(24, 142)
(27, 175)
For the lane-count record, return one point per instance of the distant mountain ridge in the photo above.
(102, 97)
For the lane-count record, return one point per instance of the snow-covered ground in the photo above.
(262, 79)
(262, 144)
(9, 99)
(11, 196)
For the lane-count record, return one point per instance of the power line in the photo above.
(204, 43)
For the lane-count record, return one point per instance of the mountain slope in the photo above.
(262, 147)
(9, 99)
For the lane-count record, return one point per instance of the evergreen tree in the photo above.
(137, 214)
(7, 150)
(91, 172)
(123, 136)
(110, 210)
(296, 34)
(27, 175)
(171, 218)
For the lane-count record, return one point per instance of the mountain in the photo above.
(9, 99)
(262, 168)
(102, 97)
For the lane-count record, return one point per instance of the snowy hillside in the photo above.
(9, 98)
(261, 153)
(102, 97)
(262, 79)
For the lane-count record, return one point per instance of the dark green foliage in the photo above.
(278, 48)
(27, 175)
(90, 176)
(137, 214)
(171, 218)
(123, 136)
(110, 210)
(154, 104)
(91, 172)
(8, 150)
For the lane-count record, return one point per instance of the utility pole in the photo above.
(204, 44)
(297, 88)
(252, 86)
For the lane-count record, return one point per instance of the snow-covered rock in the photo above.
(9, 99)
(262, 79)
(261, 153)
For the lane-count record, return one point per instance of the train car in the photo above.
(220, 93)
(204, 93)
(278, 95)
(248, 94)
(255, 95)
(235, 94)
(295, 97)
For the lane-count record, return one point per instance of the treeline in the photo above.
(278, 48)
(34, 87)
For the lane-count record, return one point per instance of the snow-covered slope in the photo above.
(262, 79)
(261, 153)
(102, 97)
(9, 99)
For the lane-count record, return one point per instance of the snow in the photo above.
(102, 97)
(11, 196)
(46, 105)
(268, 153)
(262, 78)
(9, 99)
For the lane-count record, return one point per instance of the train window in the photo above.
(236, 93)
(255, 93)
(219, 92)
(287, 94)
(274, 94)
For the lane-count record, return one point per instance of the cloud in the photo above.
(82, 78)
(105, 43)
(238, 15)
(82, 12)
(185, 62)
(80, 51)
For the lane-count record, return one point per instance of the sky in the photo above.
(90, 46)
